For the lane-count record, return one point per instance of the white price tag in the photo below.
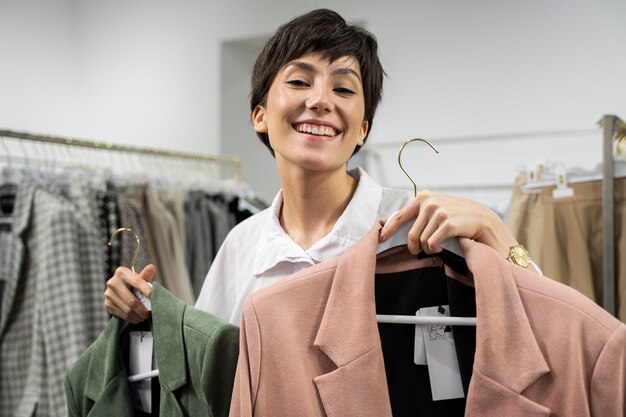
(141, 361)
(419, 357)
(443, 366)
(141, 345)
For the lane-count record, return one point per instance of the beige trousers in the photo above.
(564, 236)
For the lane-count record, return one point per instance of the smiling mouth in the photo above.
(317, 130)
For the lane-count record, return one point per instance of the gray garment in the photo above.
(166, 241)
(137, 194)
(174, 200)
(130, 217)
(223, 221)
(200, 250)
(52, 302)
(81, 190)
(208, 222)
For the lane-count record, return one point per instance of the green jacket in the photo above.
(196, 356)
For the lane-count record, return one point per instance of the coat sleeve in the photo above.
(72, 409)
(608, 382)
(219, 370)
(248, 366)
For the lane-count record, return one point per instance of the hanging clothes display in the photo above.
(572, 220)
(52, 298)
(564, 235)
(55, 222)
(310, 344)
(196, 354)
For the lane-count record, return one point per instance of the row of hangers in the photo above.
(556, 174)
(56, 155)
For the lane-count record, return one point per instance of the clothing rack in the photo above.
(539, 135)
(231, 160)
(613, 128)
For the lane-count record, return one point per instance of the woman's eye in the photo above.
(297, 83)
(343, 90)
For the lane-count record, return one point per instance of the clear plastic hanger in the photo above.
(144, 300)
(400, 238)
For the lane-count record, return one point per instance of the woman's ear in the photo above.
(364, 129)
(258, 119)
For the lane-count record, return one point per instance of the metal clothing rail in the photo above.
(106, 146)
(613, 128)
(469, 187)
(446, 140)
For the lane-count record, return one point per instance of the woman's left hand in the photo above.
(439, 217)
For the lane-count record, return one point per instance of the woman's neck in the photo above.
(313, 202)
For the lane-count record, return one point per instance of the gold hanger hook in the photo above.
(126, 229)
(400, 160)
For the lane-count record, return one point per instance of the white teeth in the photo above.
(316, 130)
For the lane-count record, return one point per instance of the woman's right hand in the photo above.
(120, 301)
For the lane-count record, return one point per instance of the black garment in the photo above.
(7, 202)
(403, 293)
(108, 218)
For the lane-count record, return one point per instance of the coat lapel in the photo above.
(487, 398)
(106, 382)
(348, 335)
(508, 358)
(114, 399)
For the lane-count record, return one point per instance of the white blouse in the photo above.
(258, 252)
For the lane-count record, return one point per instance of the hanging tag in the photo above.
(141, 345)
(419, 357)
(562, 190)
(140, 361)
(144, 300)
(443, 366)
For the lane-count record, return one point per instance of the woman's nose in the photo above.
(320, 100)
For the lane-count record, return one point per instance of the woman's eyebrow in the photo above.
(345, 71)
(302, 65)
(337, 71)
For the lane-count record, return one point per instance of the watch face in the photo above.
(520, 256)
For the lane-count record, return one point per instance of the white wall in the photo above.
(37, 76)
(149, 73)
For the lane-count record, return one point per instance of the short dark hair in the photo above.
(326, 32)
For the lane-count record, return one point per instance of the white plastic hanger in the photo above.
(144, 300)
(574, 176)
(399, 238)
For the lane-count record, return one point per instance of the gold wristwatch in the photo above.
(519, 256)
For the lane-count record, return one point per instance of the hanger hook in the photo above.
(400, 160)
(126, 229)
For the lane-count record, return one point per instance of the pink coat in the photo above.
(310, 345)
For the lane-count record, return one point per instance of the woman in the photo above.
(315, 89)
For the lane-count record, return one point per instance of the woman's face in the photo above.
(314, 113)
